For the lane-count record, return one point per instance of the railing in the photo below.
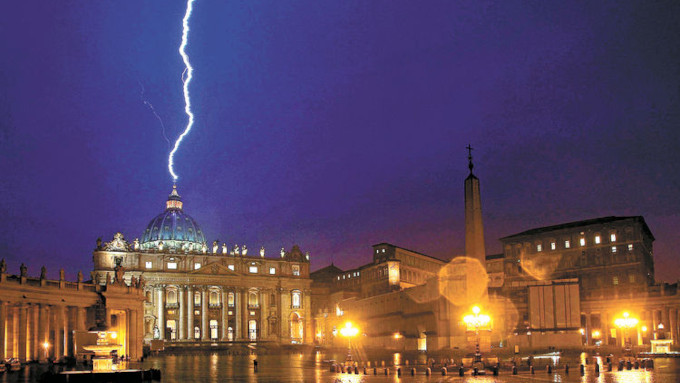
(171, 305)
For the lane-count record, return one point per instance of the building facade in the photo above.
(199, 294)
(44, 319)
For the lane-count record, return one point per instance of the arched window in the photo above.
(296, 299)
(214, 298)
(230, 334)
(252, 299)
(148, 296)
(230, 299)
(197, 332)
(197, 298)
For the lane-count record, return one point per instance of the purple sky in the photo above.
(336, 125)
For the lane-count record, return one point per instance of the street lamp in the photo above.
(46, 347)
(348, 332)
(476, 320)
(626, 323)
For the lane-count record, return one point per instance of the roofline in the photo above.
(412, 251)
(587, 222)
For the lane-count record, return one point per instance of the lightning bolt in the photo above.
(186, 79)
(153, 110)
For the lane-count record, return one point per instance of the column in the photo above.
(182, 309)
(36, 347)
(264, 306)
(81, 315)
(3, 324)
(204, 315)
(589, 330)
(190, 313)
(23, 332)
(44, 331)
(133, 335)
(673, 325)
(160, 302)
(655, 323)
(70, 325)
(58, 328)
(244, 314)
(225, 323)
(605, 328)
(237, 314)
(13, 332)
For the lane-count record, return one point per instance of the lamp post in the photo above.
(476, 320)
(625, 323)
(348, 332)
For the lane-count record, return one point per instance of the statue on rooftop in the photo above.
(244, 251)
(224, 249)
(283, 252)
(3, 266)
(61, 274)
(43, 272)
(79, 277)
(262, 251)
(119, 275)
(23, 270)
(236, 249)
(215, 247)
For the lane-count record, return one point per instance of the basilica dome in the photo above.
(175, 229)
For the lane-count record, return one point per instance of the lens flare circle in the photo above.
(463, 281)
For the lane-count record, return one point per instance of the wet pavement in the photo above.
(221, 366)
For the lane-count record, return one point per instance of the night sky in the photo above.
(336, 125)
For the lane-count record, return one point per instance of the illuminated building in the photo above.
(205, 294)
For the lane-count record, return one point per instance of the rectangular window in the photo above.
(272, 270)
(539, 247)
(197, 266)
(149, 264)
(172, 265)
(252, 269)
(631, 278)
(597, 239)
(567, 244)
(630, 247)
(582, 241)
(613, 249)
(615, 281)
(612, 237)
(230, 267)
(553, 246)
(296, 270)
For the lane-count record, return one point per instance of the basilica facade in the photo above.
(198, 294)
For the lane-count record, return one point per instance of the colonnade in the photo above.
(245, 318)
(36, 332)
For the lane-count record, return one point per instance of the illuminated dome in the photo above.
(175, 229)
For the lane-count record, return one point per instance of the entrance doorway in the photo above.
(296, 328)
(252, 330)
(213, 329)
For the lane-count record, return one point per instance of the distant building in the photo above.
(557, 286)
(612, 260)
(198, 294)
(44, 319)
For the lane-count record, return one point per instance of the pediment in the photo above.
(214, 268)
